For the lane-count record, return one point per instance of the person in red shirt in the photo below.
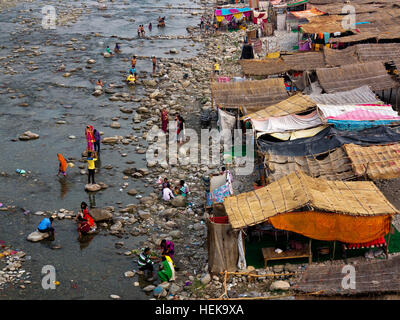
(85, 220)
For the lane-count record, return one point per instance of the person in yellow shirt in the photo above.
(131, 79)
(91, 167)
(216, 67)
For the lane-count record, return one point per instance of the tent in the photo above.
(350, 212)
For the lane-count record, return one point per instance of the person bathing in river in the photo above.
(150, 27)
(164, 120)
(63, 165)
(99, 83)
(133, 62)
(154, 60)
(117, 48)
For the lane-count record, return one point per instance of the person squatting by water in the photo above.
(91, 166)
(45, 226)
(145, 262)
(86, 223)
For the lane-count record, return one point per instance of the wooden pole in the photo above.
(334, 249)
(310, 253)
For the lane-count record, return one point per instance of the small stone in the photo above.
(114, 296)
(129, 274)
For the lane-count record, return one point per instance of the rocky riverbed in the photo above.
(48, 95)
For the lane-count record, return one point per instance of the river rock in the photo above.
(115, 125)
(159, 291)
(116, 227)
(129, 274)
(92, 187)
(106, 55)
(179, 201)
(28, 135)
(205, 279)
(100, 214)
(174, 289)
(149, 288)
(111, 140)
(37, 236)
(280, 285)
(144, 214)
(91, 61)
(97, 93)
(173, 50)
(155, 94)
(114, 296)
(132, 192)
(175, 234)
(198, 226)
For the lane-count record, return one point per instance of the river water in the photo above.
(94, 268)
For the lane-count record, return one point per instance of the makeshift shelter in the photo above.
(328, 139)
(257, 93)
(304, 61)
(361, 95)
(358, 117)
(295, 104)
(353, 76)
(375, 162)
(263, 67)
(287, 123)
(350, 212)
(384, 52)
(222, 245)
(320, 24)
(337, 58)
(332, 165)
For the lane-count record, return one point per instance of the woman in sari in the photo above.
(167, 271)
(63, 165)
(164, 120)
(89, 137)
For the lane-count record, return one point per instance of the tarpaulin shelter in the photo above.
(257, 93)
(313, 12)
(293, 135)
(354, 76)
(376, 162)
(328, 139)
(346, 211)
(358, 117)
(295, 104)
(361, 95)
(287, 123)
(229, 13)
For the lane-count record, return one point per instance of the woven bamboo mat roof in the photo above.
(249, 93)
(377, 162)
(372, 277)
(298, 190)
(336, 58)
(292, 105)
(325, 23)
(333, 165)
(261, 67)
(304, 61)
(378, 52)
(334, 8)
(354, 76)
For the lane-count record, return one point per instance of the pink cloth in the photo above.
(361, 115)
(229, 18)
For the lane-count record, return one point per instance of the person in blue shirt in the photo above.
(46, 226)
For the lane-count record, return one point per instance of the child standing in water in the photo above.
(91, 166)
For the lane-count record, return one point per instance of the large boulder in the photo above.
(111, 140)
(92, 187)
(280, 285)
(100, 214)
(28, 135)
(106, 55)
(37, 236)
(179, 201)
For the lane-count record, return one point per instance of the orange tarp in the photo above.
(333, 226)
(307, 13)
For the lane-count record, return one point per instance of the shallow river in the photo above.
(94, 266)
